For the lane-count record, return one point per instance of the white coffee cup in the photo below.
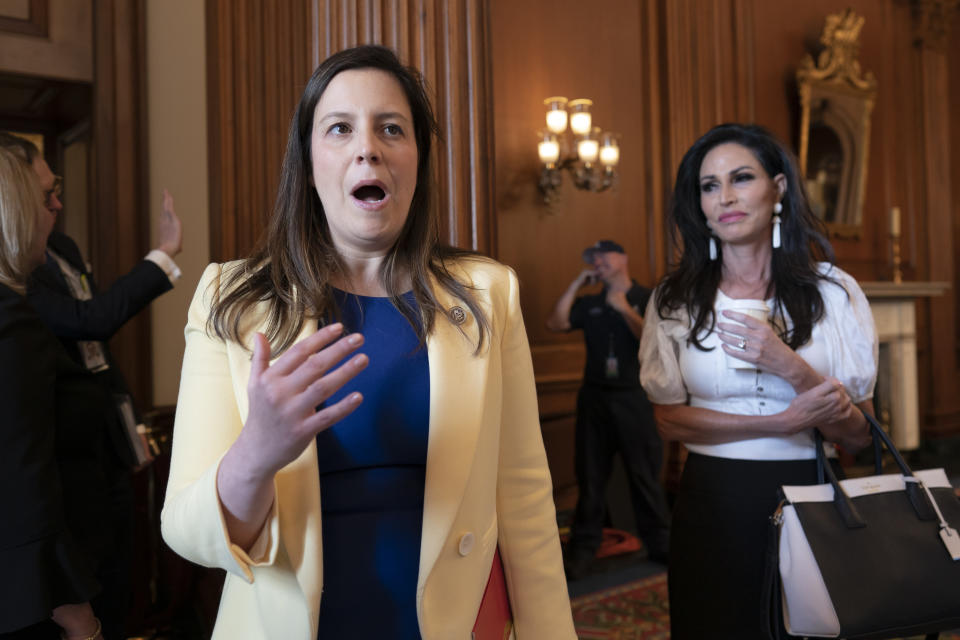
(757, 309)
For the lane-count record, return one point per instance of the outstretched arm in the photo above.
(101, 316)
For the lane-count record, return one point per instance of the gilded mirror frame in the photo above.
(836, 101)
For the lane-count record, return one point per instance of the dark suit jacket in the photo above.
(96, 319)
(50, 477)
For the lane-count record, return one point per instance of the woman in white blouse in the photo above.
(744, 394)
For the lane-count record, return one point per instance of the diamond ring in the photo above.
(743, 343)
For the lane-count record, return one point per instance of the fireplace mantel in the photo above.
(894, 312)
(904, 290)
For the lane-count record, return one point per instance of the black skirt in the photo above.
(718, 542)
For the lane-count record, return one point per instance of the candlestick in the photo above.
(895, 243)
(897, 274)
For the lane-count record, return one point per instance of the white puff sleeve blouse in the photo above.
(843, 345)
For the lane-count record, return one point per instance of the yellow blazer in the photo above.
(487, 481)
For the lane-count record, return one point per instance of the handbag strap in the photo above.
(844, 505)
(915, 492)
(879, 438)
(841, 501)
(771, 594)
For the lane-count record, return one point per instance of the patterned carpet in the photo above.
(637, 610)
(634, 611)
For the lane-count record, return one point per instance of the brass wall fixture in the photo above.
(591, 158)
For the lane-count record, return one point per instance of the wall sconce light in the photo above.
(592, 162)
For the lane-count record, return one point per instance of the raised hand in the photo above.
(283, 420)
(586, 278)
(169, 229)
(283, 397)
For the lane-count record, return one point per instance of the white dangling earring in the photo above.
(777, 209)
(713, 248)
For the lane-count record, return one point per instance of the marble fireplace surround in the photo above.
(894, 311)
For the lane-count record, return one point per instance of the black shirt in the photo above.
(612, 349)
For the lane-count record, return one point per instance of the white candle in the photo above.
(895, 221)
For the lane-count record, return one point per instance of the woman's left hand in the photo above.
(77, 621)
(763, 348)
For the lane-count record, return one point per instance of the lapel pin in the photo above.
(458, 315)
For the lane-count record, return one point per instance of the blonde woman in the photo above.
(49, 575)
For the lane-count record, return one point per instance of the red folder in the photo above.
(494, 619)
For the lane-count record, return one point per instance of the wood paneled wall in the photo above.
(260, 58)
(660, 72)
(664, 71)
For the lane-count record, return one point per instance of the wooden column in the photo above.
(119, 218)
(259, 60)
(710, 62)
(709, 52)
(933, 20)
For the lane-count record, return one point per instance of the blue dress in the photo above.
(372, 471)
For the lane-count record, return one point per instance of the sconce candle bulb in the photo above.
(548, 149)
(588, 148)
(895, 222)
(610, 150)
(581, 122)
(556, 114)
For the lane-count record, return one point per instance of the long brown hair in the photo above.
(292, 267)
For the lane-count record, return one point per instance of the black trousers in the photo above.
(611, 421)
(112, 604)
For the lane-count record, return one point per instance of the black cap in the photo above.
(602, 246)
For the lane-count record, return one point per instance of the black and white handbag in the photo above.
(874, 557)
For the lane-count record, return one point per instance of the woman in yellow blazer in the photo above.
(359, 484)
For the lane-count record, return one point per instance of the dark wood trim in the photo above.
(943, 415)
(141, 195)
(38, 24)
(654, 115)
(119, 218)
(214, 153)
